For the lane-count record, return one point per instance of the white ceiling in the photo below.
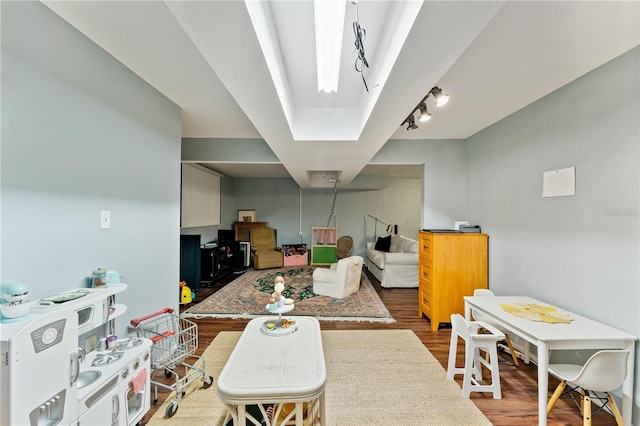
(235, 81)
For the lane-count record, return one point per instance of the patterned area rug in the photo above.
(248, 295)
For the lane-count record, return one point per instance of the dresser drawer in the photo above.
(425, 244)
(426, 270)
(425, 302)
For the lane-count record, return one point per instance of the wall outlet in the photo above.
(91, 343)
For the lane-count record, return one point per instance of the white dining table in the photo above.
(580, 333)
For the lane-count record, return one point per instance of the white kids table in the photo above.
(276, 369)
(581, 333)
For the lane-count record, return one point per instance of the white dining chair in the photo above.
(477, 335)
(479, 317)
(603, 372)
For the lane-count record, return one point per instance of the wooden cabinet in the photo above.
(451, 266)
(243, 229)
(323, 244)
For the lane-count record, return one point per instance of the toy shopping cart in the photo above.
(174, 339)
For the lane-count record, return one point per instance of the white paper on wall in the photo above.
(559, 183)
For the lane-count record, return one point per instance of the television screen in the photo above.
(226, 235)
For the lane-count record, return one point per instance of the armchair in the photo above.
(340, 280)
(264, 252)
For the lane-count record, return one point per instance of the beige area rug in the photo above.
(374, 377)
(247, 296)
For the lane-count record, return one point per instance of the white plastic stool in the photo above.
(473, 342)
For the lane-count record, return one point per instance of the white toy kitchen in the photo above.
(57, 367)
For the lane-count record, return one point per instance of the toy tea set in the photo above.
(15, 306)
(278, 304)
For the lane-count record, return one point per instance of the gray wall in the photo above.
(443, 179)
(578, 252)
(278, 202)
(81, 134)
(436, 200)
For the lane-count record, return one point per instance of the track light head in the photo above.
(424, 114)
(441, 98)
(410, 122)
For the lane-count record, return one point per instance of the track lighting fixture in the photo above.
(410, 122)
(440, 99)
(424, 114)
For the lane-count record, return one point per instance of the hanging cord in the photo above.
(333, 210)
(333, 206)
(300, 216)
(360, 34)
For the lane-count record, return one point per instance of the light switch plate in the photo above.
(105, 219)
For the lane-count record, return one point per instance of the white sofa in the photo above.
(399, 266)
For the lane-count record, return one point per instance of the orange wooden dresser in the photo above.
(451, 266)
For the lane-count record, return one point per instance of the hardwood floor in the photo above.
(518, 405)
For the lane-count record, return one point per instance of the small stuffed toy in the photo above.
(273, 304)
(279, 288)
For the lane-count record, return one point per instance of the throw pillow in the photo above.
(407, 245)
(395, 243)
(383, 243)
